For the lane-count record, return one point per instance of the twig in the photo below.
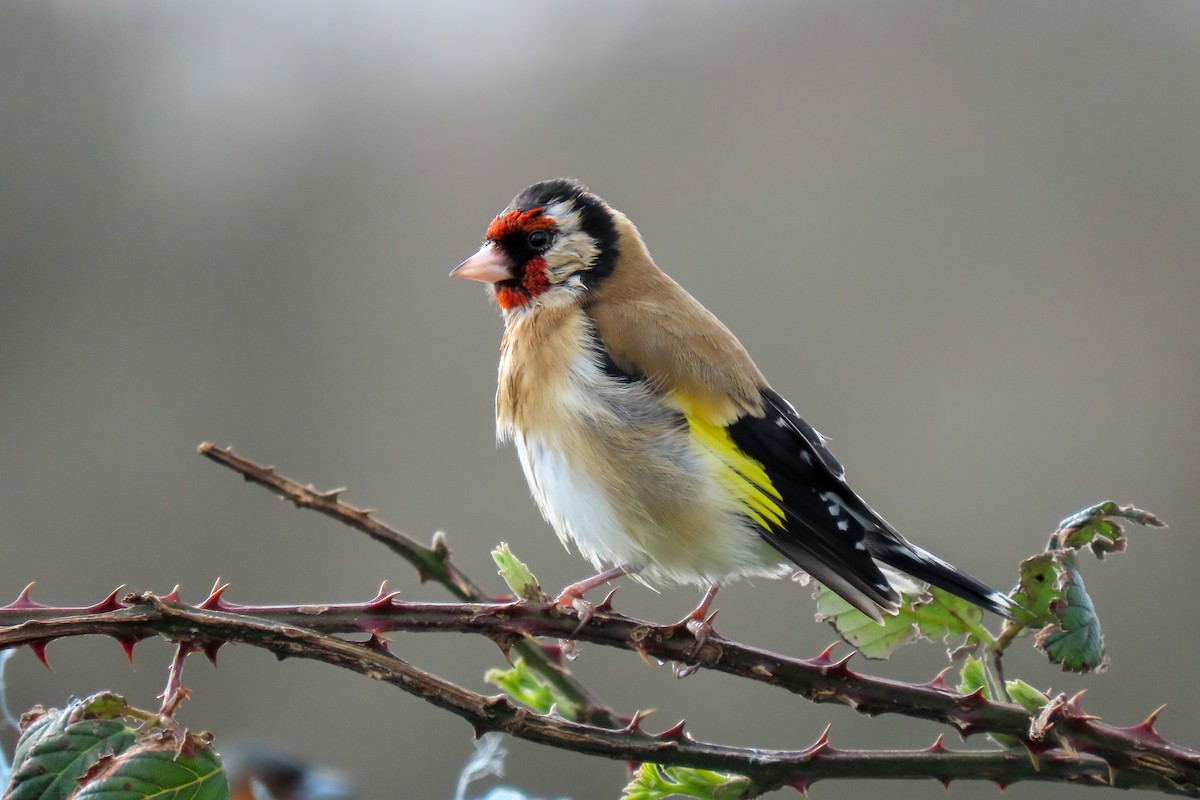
(1137, 748)
(432, 564)
(768, 769)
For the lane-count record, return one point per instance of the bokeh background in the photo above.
(962, 237)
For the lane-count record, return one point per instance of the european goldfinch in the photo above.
(648, 436)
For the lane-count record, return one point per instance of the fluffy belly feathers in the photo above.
(615, 470)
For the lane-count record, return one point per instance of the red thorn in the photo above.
(675, 733)
(1145, 729)
(553, 652)
(838, 669)
(801, 785)
(24, 600)
(635, 722)
(974, 699)
(938, 682)
(382, 599)
(127, 644)
(110, 603)
(821, 744)
(210, 648)
(937, 746)
(606, 605)
(39, 649)
(826, 656)
(1074, 710)
(945, 782)
(214, 602)
(172, 596)
(1001, 785)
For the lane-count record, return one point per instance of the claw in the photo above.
(584, 609)
(572, 596)
(699, 624)
(682, 670)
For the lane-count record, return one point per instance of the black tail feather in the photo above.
(909, 558)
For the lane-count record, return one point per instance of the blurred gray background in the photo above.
(961, 237)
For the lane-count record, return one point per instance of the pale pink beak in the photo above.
(489, 265)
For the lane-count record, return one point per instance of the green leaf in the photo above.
(59, 747)
(527, 688)
(516, 574)
(1100, 529)
(1074, 639)
(872, 639)
(1036, 589)
(1029, 698)
(655, 782)
(972, 678)
(929, 613)
(159, 768)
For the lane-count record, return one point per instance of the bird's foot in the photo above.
(572, 597)
(699, 624)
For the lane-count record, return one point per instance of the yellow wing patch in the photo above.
(742, 475)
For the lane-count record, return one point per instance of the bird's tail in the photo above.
(921, 564)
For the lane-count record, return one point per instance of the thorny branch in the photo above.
(1063, 744)
(1166, 768)
(432, 564)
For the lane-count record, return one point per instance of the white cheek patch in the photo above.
(573, 250)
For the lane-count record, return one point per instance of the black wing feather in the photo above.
(829, 530)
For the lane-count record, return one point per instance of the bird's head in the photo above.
(554, 242)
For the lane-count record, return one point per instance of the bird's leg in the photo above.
(699, 624)
(572, 596)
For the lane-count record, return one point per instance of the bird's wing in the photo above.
(827, 529)
(777, 464)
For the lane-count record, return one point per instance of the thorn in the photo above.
(938, 682)
(1153, 718)
(635, 722)
(39, 649)
(172, 596)
(1145, 728)
(945, 782)
(974, 699)
(439, 545)
(127, 644)
(1074, 710)
(801, 785)
(378, 644)
(838, 669)
(210, 648)
(937, 746)
(606, 605)
(826, 656)
(110, 603)
(24, 600)
(675, 733)
(333, 495)
(822, 743)
(382, 599)
(214, 602)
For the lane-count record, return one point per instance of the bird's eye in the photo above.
(539, 240)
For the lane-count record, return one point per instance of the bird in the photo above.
(650, 439)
